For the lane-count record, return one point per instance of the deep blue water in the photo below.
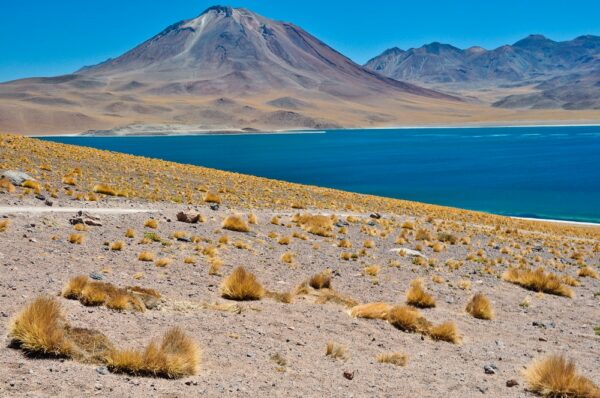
(546, 172)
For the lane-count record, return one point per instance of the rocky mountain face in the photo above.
(561, 74)
(227, 68)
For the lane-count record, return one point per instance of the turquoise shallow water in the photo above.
(544, 172)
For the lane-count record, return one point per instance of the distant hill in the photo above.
(561, 74)
(227, 68)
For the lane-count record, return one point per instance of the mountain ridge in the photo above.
(533, 60)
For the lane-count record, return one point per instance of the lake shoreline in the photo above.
(183, 130)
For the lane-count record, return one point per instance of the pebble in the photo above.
(490, 369)
(103, 370)
(96, 276)
(511, 383)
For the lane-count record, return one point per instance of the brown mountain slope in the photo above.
(231, 69)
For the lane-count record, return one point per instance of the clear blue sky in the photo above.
(50, 37)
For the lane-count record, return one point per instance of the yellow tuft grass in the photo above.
(76, 239)
(104, 189)
(557, 377)
(444, 332)
(321, 280)
(39, 329)
(416, 295)
(175, 356)
(371, 311)
(394, 358)
(345, 243)
(31, 184)
(288, 257)
(284, 240)
(211, 197)
(4, 224)
(215, 265)
(6, 185)
(587, 272)
(537, 280)
(235, 223)
(480, 307)
(319, 225)
(372, 270)
(162, 262)
(146, 256)
(242, 285)
(95, 293)
(335, 351)
(117, 246)
(407, 319)
(130, 233)
(252, 219)
(151, 223)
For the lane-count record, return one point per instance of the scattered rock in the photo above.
(103, 370)
(376, 216)
(40, 197)
(48, 202)
(409, 252)
(545, 325)
(214, 206)
(16, 177)
(85, 218)
(96, 276)
(511, 383)
(490, 369)
(349, 375)
(190, 218)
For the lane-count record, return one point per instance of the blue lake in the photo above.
(545, 172)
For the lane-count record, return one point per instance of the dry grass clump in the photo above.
(80, 227)
(321, 280)
(445, 331)
(211, 197)
(369, 244)
(319, 225)
(394, 358)
(117, 246)
(162, 262)
(284, 240)
(39, 329)
(331, 296)
(31, 184)
(130, 233)
(288, 257)
(556, 377)
(336, 351)
(371, 311)
(189, 260)
(175, 356)
(537, 280)
(146, 256)
(95, 293)
(423, 234)
(235, 223)
(104, 189)
(372, 270)
(464, 284)
(6, 185)
(447, 238)
(4, 224)
(480, 307)
(76, 239)
(410, 320)
(215, 265)
(416, 295)
(345, 243)
(242, 285)
(151, 223)
(587, 272)
(252, 219)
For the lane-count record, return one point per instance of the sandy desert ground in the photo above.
(372, 248)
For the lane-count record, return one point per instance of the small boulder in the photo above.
(190, 218)
(16, 177)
